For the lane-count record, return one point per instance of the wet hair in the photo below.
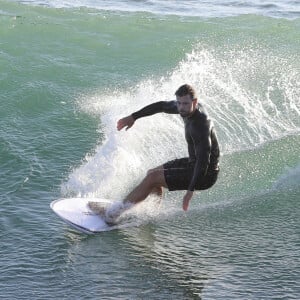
(186, 89)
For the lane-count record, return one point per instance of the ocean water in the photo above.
(71, 69)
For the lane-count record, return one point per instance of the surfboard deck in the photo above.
(76, 212)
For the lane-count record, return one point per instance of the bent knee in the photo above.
(150, 171)
(155, 177)
(159, 168)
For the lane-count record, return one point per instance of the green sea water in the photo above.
(68, 74)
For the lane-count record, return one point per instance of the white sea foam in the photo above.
(123, 158)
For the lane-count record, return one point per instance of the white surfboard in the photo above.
(76, 212)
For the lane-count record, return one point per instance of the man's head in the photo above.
(186, 100)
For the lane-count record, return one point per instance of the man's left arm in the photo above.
(202, 145)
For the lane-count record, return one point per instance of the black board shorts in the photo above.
(179, 173)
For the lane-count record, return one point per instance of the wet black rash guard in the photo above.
(203, 147)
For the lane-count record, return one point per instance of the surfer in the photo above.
(198, 171)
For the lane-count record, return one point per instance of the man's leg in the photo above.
(158, 191)
(153, 182)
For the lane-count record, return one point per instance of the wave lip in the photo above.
(283, 9)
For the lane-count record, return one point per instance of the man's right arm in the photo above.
(125, 122)
(168, 107)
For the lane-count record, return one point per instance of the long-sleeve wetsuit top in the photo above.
(203, 147)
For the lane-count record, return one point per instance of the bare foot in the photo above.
(100, 209)
(97, 208)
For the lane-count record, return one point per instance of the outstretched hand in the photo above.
(125, 122)
(186, 200)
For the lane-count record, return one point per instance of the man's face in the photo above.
(186, 105)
